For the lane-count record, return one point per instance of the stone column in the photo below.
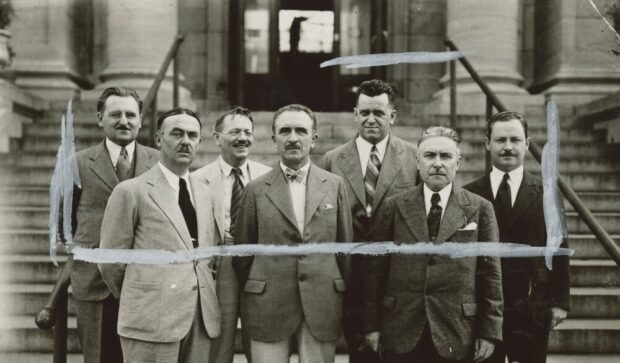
(139, 35)
(50, 58)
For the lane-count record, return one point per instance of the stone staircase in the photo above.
(27, 275)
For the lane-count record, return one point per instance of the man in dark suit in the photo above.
(374, 165)
(101, 168)
(434, 308)
(296, 202)
(535, 299)
(168, 313)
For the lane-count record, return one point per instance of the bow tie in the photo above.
(294, 175)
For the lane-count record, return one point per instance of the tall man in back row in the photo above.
(374, 165)
(535, 299)
(229, 175)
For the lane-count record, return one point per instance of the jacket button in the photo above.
(302, 277)
(195, 287)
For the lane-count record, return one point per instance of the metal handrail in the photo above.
(588, 218)
(54, 314)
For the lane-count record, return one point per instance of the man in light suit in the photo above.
(434, 308)
(168, 312)
(535, 299)
(101, 168)
(229, 174)
(297, 202)
(374, 165)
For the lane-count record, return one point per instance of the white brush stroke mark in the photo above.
(385, 59)
(605, 19)
(450, 249)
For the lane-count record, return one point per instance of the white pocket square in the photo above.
(328, 206)
(470, 227)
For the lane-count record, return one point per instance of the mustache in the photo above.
(507, 153)
(242, 143)
(123, 127)
(185, 149)
(292, 146)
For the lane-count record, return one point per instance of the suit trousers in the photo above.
(353, 328)
(223, 347)
(513, 347)
(193, 348)
(424, 352)
(96, 322)
(310, 349)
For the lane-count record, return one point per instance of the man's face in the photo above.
(235, 139)
(507, 145)
(373, 116)
(120, 119)
(294, 138)
(178, 139)
(438, 160)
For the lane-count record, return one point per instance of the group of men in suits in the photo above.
(376, 187)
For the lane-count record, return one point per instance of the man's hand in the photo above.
(557, 316)
(372, 340)
(484, 349)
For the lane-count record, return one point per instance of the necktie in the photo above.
(503, 200)
(122, 164)
(294, 175)
(235, 198)
(434, 216)
(370, 179)
(189, 213)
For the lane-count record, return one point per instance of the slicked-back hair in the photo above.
(375, 87)
(235, 111)
(295, 107)
(120, 92)
(505, 116)
(177, 111)
(440, 131)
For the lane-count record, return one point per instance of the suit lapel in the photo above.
(102, 166)
(215, 182)
(163, 195)
(279, 194)
(314, 192)
(144, 161)
(454, 218)
(414, 213)
(349, 163)
(202, 206)
(525, 196)
(389, 169)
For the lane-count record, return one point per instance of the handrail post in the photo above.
(175, 82)
(452, 94)
(153, 115)
(487, 155)
(60, 329)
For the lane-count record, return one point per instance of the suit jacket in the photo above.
(158, 302)
(460, 298)
(280, 291)
(212, 175)
(530, 289)
(98, 179)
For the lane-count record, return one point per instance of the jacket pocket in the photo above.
(389, 302)
(339, 285)
(470, 309)
(140, 302)
(254, 287)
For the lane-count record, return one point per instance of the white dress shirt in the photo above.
(514, 181)
(114, 150)
(173, 180)
(229, 180)
(363, 150)
(444, 196)
(298, 196)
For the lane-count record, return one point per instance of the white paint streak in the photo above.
(384, 59)
(450, 249)
(605, 19)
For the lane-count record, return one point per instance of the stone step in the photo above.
(24, 195)
(42, 357)
(586, 246)
(594, 273)
(598, 201)
(594, 303)
(20, 334)
(27, 299)
(610, 221)
(580, 336)
(29, 269)
(24, 241)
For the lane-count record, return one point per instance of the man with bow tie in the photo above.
(434, 308)
(293, 297)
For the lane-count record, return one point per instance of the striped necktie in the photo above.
(122, 165)
(434, 216)
(370, 180)
(235, 198)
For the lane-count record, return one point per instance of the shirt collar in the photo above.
(227, 168)
(114, 149)
(172, 178)
(516, 176)
(444, 194)
(305, 168)
(364, 146)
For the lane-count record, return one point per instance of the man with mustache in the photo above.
(535, 299)
(229, 175)
(168, 312)
(101, 168)
(298, 297)
(375, 165)
(434, 308)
